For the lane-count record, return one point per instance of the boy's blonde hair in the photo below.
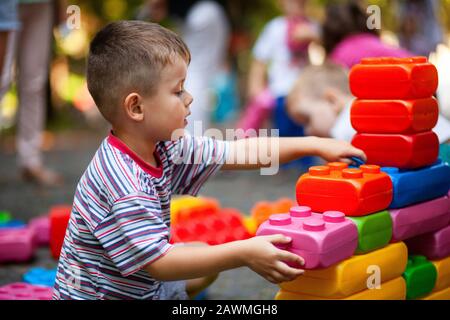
(128, 56)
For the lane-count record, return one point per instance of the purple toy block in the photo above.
(25, 291)
(41, 229)
(434, 245)
(16, 245)
(321, 239)
(421, 218)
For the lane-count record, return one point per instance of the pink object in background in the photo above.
(434, 246)
(257, 111)
(41, 229)
(321, 239)
(25, 291)
(16, 245)
(421, 218)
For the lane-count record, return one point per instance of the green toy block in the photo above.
(444, 152)
(4, 217)
(420, 276)
(374, 231)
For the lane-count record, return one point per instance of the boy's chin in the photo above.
(177, 134)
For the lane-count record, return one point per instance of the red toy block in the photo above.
(16, 245)
(399, 150)
(357, 192)
(394, 78)
(25, 291)
(394, 116)
(59, 219)
(224, 226)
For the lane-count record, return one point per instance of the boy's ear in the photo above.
(133, 106)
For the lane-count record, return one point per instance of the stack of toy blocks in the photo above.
(394, 114)
(202, 219)
(363, 194)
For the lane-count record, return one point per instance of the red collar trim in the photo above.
(119, 144)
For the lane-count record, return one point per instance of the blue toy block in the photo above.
(12, 224)
(414, 186)
(40, 276)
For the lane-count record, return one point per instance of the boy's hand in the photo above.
(333, 150)
(264, 258)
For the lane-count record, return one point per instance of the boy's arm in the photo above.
(258, 253)
(254, 153)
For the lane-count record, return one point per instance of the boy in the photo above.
(117, 242)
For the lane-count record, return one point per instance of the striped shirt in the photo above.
(120, 219)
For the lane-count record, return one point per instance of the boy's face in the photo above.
(293, 8)
(165, 111)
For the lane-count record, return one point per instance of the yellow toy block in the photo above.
(443, 271)
(251, 225)
(438, 295)
(182, 207)
(352, 275)
(390, 290)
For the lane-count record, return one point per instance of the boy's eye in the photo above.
(179, 93)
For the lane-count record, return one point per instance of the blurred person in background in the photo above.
(30, 45)
(204, 26)
(347, 39)
(279, 55)
(420, 31)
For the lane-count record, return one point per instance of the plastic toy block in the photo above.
(374, 231)
(357, 192)
(40, 276)
(25, 291)
(444, 152)
(262, 210)
(434, 183)
(399, 150)
(321, 239)
(16, 245)
(250, 225)
(41, 229)
(420, 218)
(350, 276)
(443, 274)
(224, 226)
(391, 290)
(393, 78)
(59, 219)
(434, 245)
(438, 295)
(4, 217)
(420, 276)
(394, 116)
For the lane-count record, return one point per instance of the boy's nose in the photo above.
(189, 99)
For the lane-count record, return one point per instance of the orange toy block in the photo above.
(356, 192)
(393, 78)
(262, 210)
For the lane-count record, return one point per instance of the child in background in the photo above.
(280, 53)
(117, 242)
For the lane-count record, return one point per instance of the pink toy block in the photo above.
(421, 218)
(41, 229)
(16, 245)
(25, 291)
(321, 239)
(434, 245)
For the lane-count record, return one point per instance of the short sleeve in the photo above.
(194, 160)
(264, 46)
(134, 234)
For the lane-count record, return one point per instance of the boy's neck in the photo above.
(142, 147)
